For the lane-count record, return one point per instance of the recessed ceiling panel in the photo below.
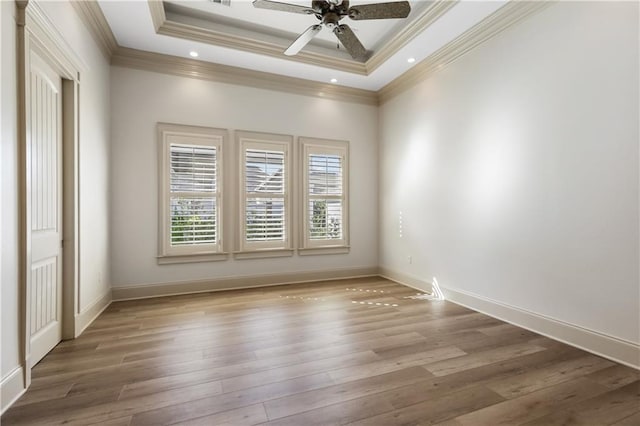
(265, 34)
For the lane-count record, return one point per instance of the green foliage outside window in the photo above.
(192, 224)
(320, 226)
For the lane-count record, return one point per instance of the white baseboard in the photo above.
(11, 388)
(240, 282)
(406, 279)
(613, 348)
(86, 317)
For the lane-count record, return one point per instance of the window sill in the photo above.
(262, 254)
(310, 251)
(191, 258)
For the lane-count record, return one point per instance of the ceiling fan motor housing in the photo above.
(323, 7)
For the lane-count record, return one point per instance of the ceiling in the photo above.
(242, 36)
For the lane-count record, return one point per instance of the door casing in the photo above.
(35, 33)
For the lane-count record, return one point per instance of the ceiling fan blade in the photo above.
(396, 9)
(303, 39)
(350, 42)
(282, 7)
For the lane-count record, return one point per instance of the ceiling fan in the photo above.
(330, 12)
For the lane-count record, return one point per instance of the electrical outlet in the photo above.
(410, 260)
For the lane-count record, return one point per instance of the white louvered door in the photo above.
(44, 155)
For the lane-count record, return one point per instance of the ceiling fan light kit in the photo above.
(329, 13)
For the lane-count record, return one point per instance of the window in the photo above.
(325, 201)
(265, 194)
(190, 193)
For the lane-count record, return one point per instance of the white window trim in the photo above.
(331, 147)
(264, 249)
(204, 136)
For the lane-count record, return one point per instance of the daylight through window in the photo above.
(264, 180)
(193, 195)
(265, 176)
(325, 209)
(190, 216)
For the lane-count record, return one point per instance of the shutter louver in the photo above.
(265, 219)
(325, 174)
(193, 199)
(325, 191)
(264, 195)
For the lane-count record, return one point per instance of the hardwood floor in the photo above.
(343, 352)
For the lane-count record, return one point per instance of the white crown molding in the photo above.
(505, 17)
(47, 36)
(166, 64)
(157, 13)
(217, 38)
(408, 33)
(96, 22)
(239, 282)
(170, 28)
(502, 19)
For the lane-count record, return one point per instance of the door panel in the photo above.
(45, 157)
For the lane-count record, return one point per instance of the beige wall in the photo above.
(516, 170)
(140, 99)
(94, 168)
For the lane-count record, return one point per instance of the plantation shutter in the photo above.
(325, 197)
(193, 195)
(264, 212)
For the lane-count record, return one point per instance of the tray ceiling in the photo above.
(242, 36)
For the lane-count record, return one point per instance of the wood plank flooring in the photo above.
(343, 352)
